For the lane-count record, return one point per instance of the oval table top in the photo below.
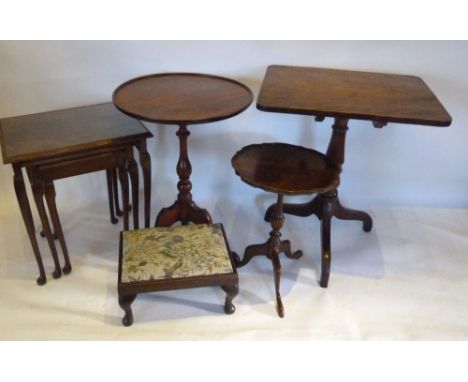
(285, 169)
(182, 98)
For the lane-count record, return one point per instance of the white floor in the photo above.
(407, 279)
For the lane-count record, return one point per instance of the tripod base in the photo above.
(324, 206)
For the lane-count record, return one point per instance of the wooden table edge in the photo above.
(320, 113)
(72, 149)
(182, 122)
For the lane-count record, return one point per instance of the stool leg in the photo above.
(325, 227)
(54, 216)
(110, 193)
(231, 293)
(125, 302)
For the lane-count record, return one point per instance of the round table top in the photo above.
(285, 169)
(182, 98)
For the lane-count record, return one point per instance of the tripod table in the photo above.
(345, 95)
(182, 99)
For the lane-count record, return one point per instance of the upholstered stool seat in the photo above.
(165, 258)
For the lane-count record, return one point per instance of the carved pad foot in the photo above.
(41, 280)
(125, 302)
(231, 293)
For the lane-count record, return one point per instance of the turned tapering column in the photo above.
(184, 208)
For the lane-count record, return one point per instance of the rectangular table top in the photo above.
(350, 94)
(60, 132)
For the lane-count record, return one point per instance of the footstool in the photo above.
(168, 258)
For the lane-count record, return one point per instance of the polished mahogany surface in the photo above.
(48, 134)
(182, 98)
(285, 169)
(350, 94)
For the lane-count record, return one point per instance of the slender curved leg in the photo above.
(115, 188)
(145, 162)
(198, 215)
(343, 213)
(41, 232)
(325, 238)
(110, 193)
(38, 192)
(124, 184)
(133, 171)
(285, 247)
(271, 249)
(167, 216)
(54, 216)
(231, 292)
(125, 302)
(183, 209)
(250, 252)
(26, 214)
(277, 274)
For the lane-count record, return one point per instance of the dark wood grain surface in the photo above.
(285, 169)
(182, 98)
(350, 94)
(42, 135)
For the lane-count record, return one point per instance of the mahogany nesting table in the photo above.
(182, 99)
(344, 95)
(285, 170)
(63, 143)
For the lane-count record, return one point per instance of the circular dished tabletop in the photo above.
(182, 98)
(285, 169)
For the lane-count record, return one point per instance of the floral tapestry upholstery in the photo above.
(174, 252)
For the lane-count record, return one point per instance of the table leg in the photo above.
(327, 213)
(50, 198)
(26, 214)
(336, 153)
(123, 175)
(115, 189)
(38, 192)
(110, 193)
(183, 209)
(41, 232)
(271, 249)
(133, 171)
(145, 162)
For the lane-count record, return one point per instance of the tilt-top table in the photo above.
(285, 170)
(182, 99)
(344, 95)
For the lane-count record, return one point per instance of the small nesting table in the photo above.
(63, 143)
(285, 170)
(344, 95)
(182, 99)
